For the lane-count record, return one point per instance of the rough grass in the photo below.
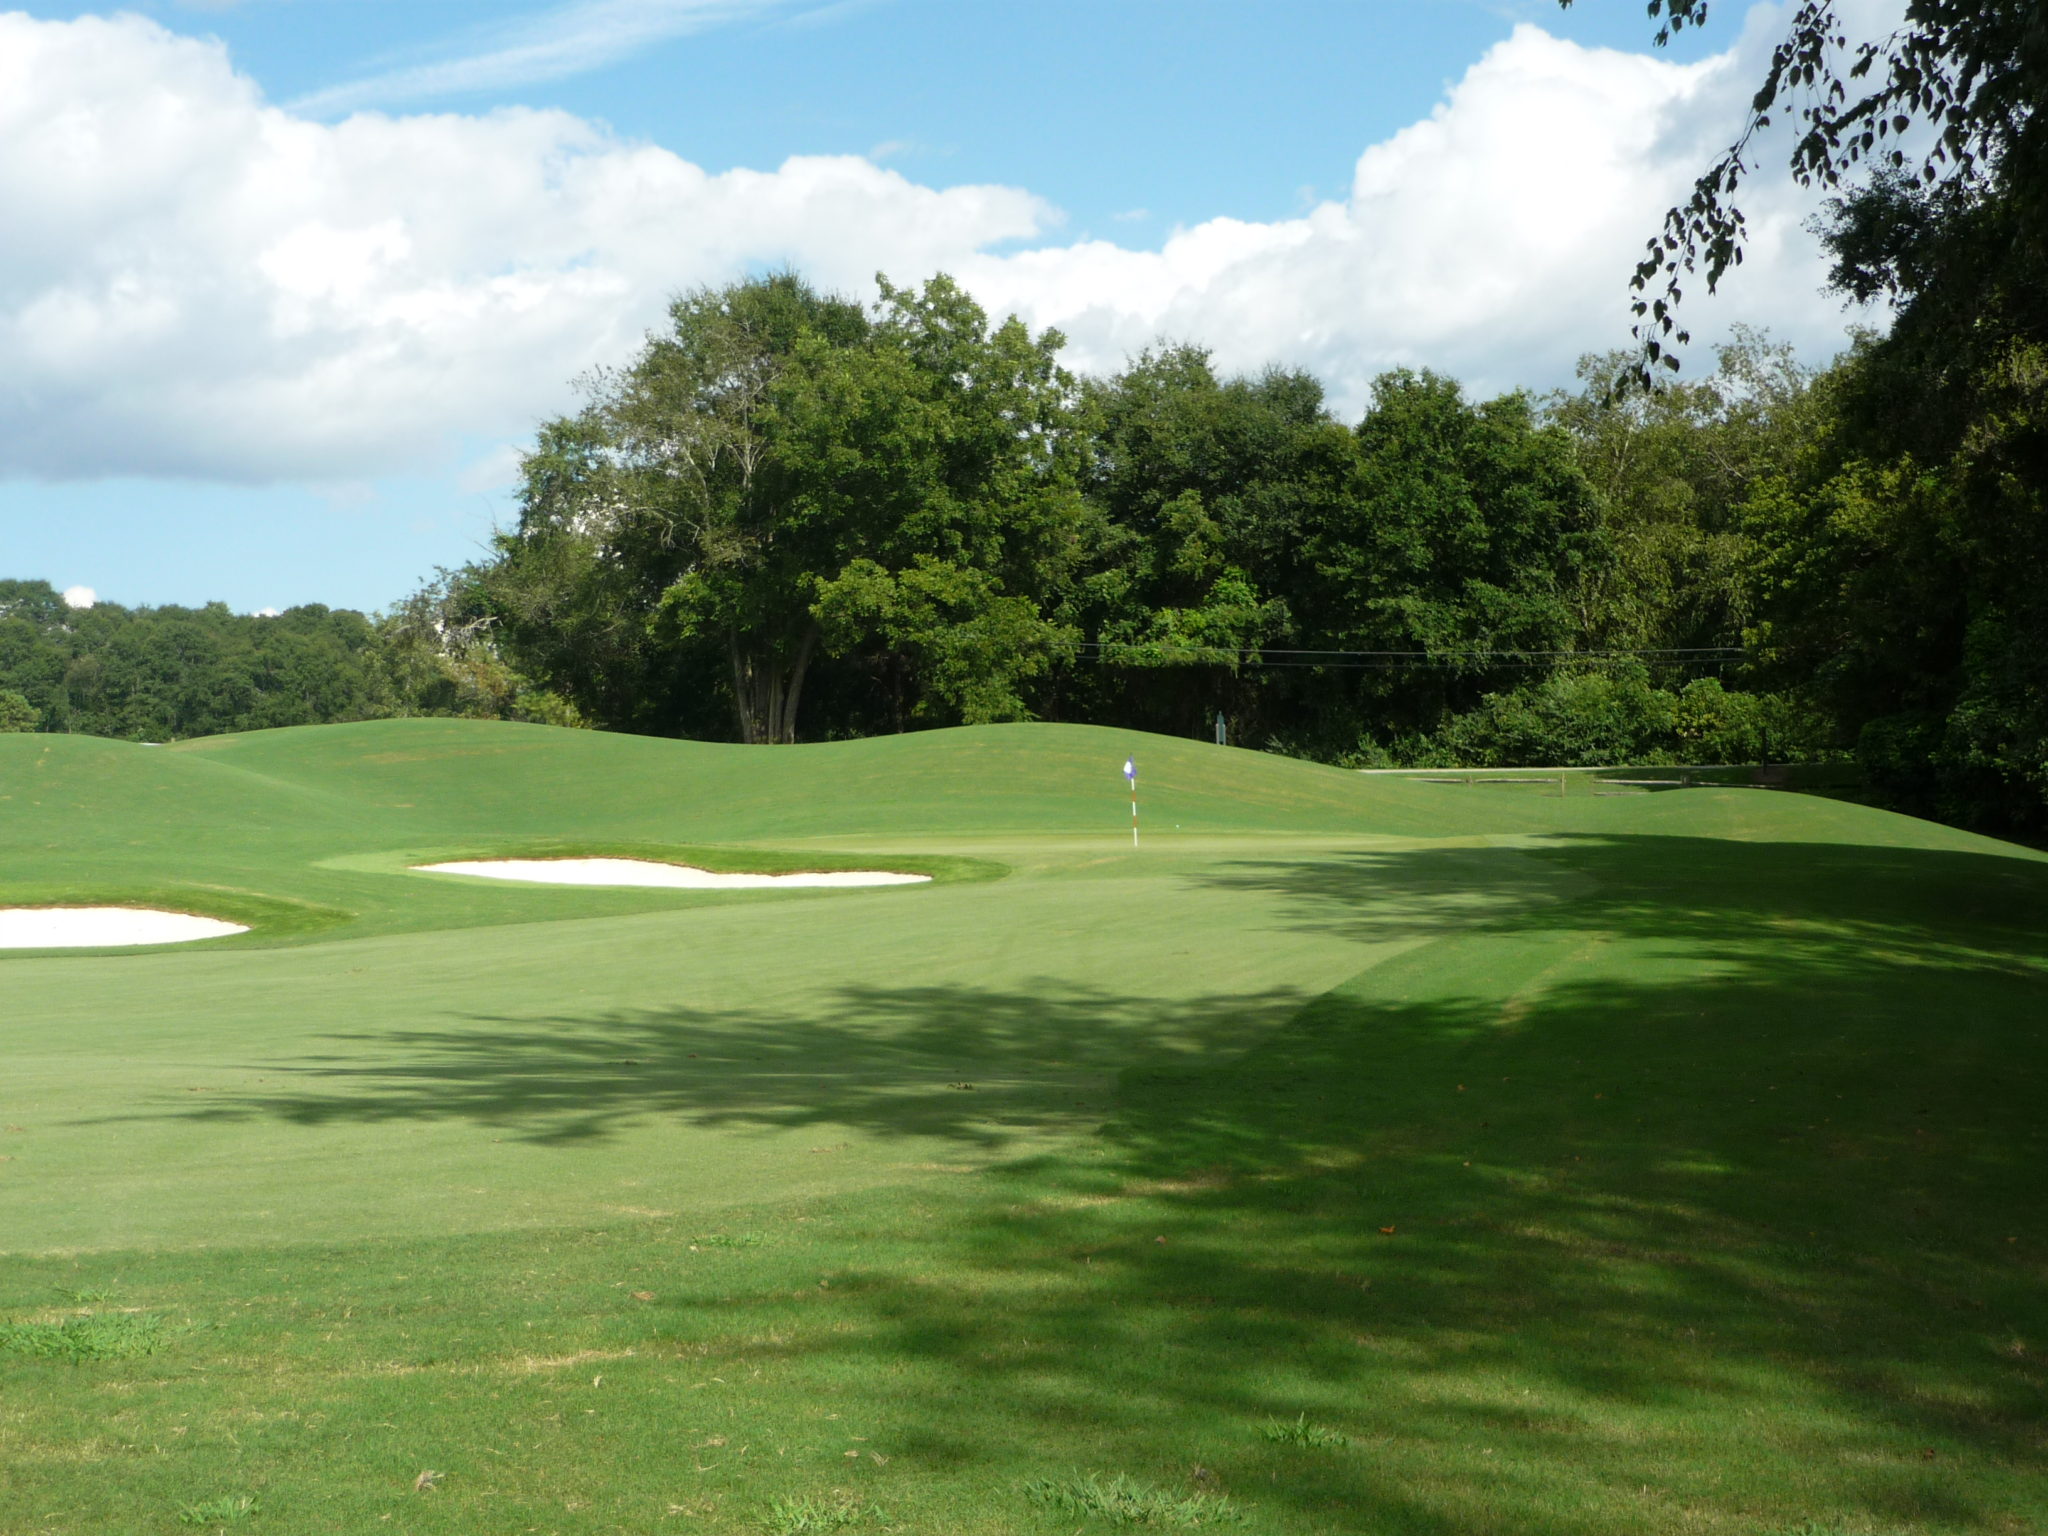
(104, 1336)
(1298, 1431)
(1123, 1500)
(223, 1510)
(805, 1515)
(1599, 1165)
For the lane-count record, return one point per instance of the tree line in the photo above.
(790, 517)
(166, 673)
(794, 517)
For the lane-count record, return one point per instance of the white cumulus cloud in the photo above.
(80, 597)
(198, 282)
(1492, 241)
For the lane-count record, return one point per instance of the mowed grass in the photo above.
(1357, 1155)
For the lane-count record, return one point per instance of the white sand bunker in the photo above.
(652, 872)
(104, 927)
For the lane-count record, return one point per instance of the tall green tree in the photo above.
(1673, 469)
(1201, 487)
(1469, 537)
(780, 476)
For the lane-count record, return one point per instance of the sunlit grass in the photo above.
(1675, 1169)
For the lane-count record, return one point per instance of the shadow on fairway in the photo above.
(974, 1065)
(1711, 1200)
(1709, 1197)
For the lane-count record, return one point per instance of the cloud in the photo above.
(199, 283)
(80, 597)
(1492, 241)
(568, 40)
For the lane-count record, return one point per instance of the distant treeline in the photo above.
(793, 518)
(161, 674)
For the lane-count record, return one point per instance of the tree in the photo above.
(16, 713)
(780, 476)
(1469, 533)
(159, 674)
(1674, 468)
(1971, 75)
(1201, 488)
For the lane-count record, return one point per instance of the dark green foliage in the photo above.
(166, 674)
(1904, 563)
(1673, 470)
(783, 497)
(1574, 719)
(1615, 715)
(1200, 490)
(1468, 537)
(159, 674)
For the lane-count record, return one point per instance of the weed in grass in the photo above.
(729, 1240)
(1123, 1500)
(227, 1509)
(121, 1336)
(1298, 1431)
(804, 1515)
(86, 1295)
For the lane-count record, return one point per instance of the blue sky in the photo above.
(306, 272)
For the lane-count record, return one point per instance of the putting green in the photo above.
(1538, 1140)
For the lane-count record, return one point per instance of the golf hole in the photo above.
(652, 872)
(104, 927)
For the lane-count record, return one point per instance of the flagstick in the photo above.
(1134, 813)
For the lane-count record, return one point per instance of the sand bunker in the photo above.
(652, 872)
(104, 927)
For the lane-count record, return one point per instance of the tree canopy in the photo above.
(780, 478)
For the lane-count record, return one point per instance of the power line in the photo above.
(1136, 652)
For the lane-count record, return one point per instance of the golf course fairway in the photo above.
(1357, 1154)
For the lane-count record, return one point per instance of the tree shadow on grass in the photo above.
(1698, 1187)
(1561, 1253)
(1751, 899)
(978, 1066)
(1711, 1198)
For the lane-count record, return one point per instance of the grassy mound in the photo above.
(1358, 1154)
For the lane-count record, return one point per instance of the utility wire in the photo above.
(1137, 652)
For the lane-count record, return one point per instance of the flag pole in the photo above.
(1131, 773)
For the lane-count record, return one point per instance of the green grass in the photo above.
(804, 1515)
(1299, 1432)
(1599, 1164)
(1122, 1500)
(112, 1336)
(223, 1510)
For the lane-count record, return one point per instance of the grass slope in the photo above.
(1358, 1155)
